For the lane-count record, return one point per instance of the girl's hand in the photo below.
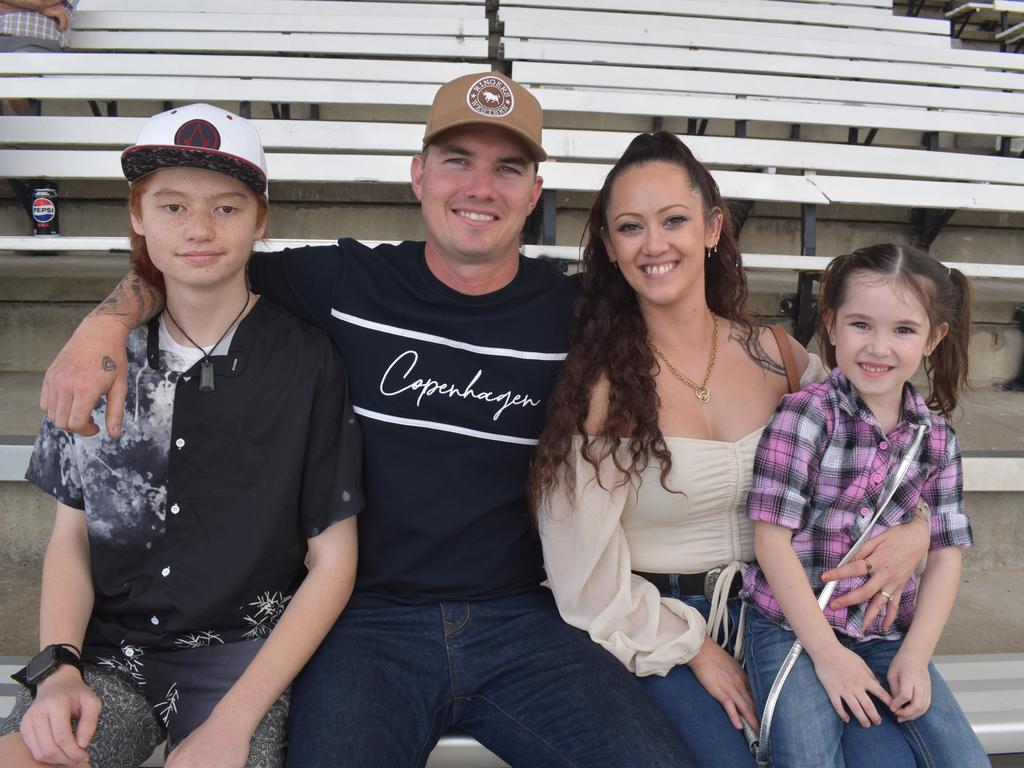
(212, 746)
(726, 682)
(911, 686)
(889, 560)
(46, 726)
(849, 681)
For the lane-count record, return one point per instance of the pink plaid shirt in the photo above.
(821, 467)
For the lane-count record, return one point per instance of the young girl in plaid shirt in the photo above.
(822, 465)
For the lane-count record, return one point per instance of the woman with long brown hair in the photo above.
(640, 478)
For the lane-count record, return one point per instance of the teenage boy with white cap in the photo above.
(173, 602)
(454, 344)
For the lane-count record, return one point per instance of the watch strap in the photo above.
(57, 655)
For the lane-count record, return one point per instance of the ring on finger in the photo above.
(886, 595)
(868, 566)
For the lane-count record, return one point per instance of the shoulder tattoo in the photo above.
(755, 349)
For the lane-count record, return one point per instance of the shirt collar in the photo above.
(231, 364)
(914, 411)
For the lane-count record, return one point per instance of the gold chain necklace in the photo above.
(700, 390)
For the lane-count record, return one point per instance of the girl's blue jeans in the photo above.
(806, 730)
(706, 729)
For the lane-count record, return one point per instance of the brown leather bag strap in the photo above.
(788, 362)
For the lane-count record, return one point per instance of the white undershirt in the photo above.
(181, 357)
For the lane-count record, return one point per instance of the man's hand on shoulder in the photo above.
(91, 364)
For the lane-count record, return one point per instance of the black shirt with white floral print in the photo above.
(198, 515)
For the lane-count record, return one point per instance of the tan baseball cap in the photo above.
(489, 98)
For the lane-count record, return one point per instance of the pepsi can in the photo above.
(44, 211)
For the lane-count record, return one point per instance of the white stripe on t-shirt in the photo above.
(429, 337)
(423, 424)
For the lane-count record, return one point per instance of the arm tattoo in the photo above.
(755, 350)
(133, 301)
(109, 364)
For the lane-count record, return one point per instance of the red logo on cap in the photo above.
(197, 133)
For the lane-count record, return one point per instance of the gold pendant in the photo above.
(702, 394)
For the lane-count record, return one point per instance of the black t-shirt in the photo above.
(450, 391)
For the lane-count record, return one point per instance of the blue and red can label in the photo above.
(44, 211)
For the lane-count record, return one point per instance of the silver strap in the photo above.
(759, 747)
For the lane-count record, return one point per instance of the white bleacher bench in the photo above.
(779, 11)
(989, 688)
(362, 151)
(1014, 34)
(297, 7)
(352, 28)
(813, 79)
(748, 36)
(780, 66)
(678, 60)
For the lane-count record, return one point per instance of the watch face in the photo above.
(41, 664)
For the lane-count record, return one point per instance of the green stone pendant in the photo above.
(206, 376)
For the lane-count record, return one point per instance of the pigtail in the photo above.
(830, 290)
(947, 366)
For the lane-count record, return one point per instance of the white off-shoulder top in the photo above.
(594, 541)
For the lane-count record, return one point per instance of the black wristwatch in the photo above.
(44, 664)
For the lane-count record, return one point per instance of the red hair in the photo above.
(141, 264)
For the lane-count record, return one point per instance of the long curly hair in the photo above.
(611, 337)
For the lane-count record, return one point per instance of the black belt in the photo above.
(691, 583)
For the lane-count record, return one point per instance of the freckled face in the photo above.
(476, 186)
(881, 332)
(657, 232)
(199, 226)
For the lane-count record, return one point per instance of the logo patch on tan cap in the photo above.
(490, 96)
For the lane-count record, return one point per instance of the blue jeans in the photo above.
(699, 719)
(387, 682)
(807, 731)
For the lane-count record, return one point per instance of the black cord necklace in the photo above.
(206, 367)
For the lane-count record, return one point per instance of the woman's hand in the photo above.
(46, 726)
(888, 560)
(850, 683)
(726, 682)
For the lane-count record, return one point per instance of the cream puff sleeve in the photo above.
(588, 565)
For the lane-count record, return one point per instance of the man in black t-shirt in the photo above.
(453, 345)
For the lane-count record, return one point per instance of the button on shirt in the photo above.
(822, 466)
(270, 458)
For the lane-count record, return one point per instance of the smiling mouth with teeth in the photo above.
(875, 368)
(659, 269)
(472, 216)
